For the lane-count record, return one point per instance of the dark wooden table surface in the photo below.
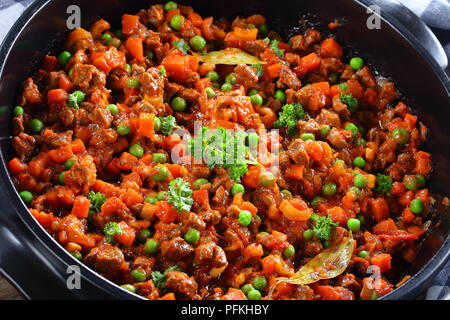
(7, 291)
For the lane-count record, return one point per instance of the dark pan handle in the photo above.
(414, 26)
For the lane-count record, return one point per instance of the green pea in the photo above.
(289, 251)
(106, 36)
(246, 288)
(259, 283)
(210, 92)
(362, 131)
(143, 234)
(178, 104)
(70, 73)
(133, 83)
(254, 295)
(231, 78)
(374, 296)
(329, 189)
(315, 202)
(420, 181)
(360, 142)
(149, 54)
(256, 99)
(400, 135)
(266, 179)
(355, 190)
(26, 196)
(360, 181)
(119, 34)
(138, 274)
(36, 125)
(161, 196)
(361, 218)
(151, 200)
(197, 43)
(359, 162)
(129, 287)
(79, 96)
(213, 76)
(280, 95)
(252, 92)
(113, 109)
(17, 111)
(69, 163)
(237, 188)
(411, 182)
(351, 127)
(338, 161)
(157, 124)
(123, 129)
(192, 236)
(356, 63)
(170, 6)
(324, 130)
(353, 224)
(127, 69)
(159, 158)
(61, 178)
(136, 150)
(363, 254)
(245, 218)
(286, 194)
(263, 29)
(77, 254)
(64, 57)
(416, 206)
(151, 246)
(226, 87)
(253, 139)
(307, 136)
(163, 173)
(199, 182)
(308, 234)
(177, 21)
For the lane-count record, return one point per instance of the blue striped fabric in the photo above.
(435, 13)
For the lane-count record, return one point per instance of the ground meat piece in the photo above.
(302, 42)
(82, 174)
(255, 47)
(310, 126)
(31, 93)
(24, 145)
(156, 15)
(187, 29)
(210, 253)
(190, 95)
(328, 117)
(288, 79)
(366, 77)
(329, 66)
(246, 76)
(337, 138)
(105, 259)
(297, 152)
(182, 283)
(55, 140)
(101, 116)
(176, 248)
(87, 77)
(17, 124)
(152, 83)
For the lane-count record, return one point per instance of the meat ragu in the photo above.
(95, 131)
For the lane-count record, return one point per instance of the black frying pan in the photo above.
(37, 265)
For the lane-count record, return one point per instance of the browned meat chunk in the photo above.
(182, 283)
(288, 79)
(246, 76)
(105, 259)
(23, 145)
(176, 248)
(297, 152)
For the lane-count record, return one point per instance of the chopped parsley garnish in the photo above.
(274, 46)
(180, 195)
(168, 124)
(159, 279)
(383, 185)
(223, 148)
(111, 229)
(289, 117)
(323, 226)
(163, 71)
(97, 200)
(181, 45)
(347, 98)
(259, 69)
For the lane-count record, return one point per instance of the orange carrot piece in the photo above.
(80, 207)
